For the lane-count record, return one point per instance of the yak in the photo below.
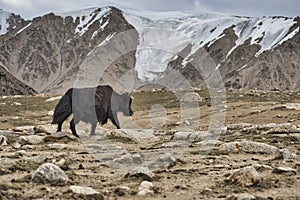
(91, 105)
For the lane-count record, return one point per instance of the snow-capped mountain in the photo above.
(101, 44)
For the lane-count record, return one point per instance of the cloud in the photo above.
(255, 7)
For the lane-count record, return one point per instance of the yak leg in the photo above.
(59, 127)
(93, 128)
(115, 120)
(72, 127)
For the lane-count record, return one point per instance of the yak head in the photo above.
(126, 108)
(122, 103)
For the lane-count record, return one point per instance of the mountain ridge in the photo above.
(48, 52)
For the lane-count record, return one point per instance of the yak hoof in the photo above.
(76, 135)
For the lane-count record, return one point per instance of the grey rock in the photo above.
(238, 126)
(143, 173)
(191, 136)
(27, 146)
(249, 147)
(247, 176)
(129, 159)
(60, 136)
(61, 162)
(20, 153)
(31, 139)
(262, 167)
(16, 145)
(132, 135)
(145, 188)
(24, 129)
(285, 154)
(7, 162)
(50, 173)
(86, 191)
(281, 170)
(6, 133)
(164, 161)
(292, 106)
(57, 146)
(38, 159)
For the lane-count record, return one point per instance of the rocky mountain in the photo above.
(111, 45)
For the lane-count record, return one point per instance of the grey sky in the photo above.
(32, 8)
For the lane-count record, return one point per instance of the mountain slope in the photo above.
(100, 45)
(245, 50)
(9, 85)
(46, 52)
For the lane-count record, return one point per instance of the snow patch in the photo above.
(107, 39)
(266, 32)
(3, 21)
(289, 36)
(23, 28)
(87, 17)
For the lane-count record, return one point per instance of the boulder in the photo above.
(49, 173)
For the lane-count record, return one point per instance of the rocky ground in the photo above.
(156, 155)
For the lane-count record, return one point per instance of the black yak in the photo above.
(91, 105)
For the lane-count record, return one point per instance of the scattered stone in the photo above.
(57, 146)
(87, 192)
(60, 137)
(247, 176)
(20, 153)
(25, 147)
(238, 126)
(283, 128)
(121, 191)
(292, 106)
(262, 167)
(31, 139)
(129, 159)
(145, 188)
(38, 159)
(191, 136)
(181, 135)
(7, 133)
(131, 135)
(50, 173)
(16, 145)
(24, 129)
(164, 161)
(279, 116)
(249, 147)
(137, 158)
(3, 140)
(50, 113)
(143, 173)
(48, 129)
(61, 162)
(286, 154)
(206, 191)
(7, 162)
(243, 196)
(281, 170)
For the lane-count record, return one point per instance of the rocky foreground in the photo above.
(258, 160)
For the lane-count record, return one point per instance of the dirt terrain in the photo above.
(256, 155)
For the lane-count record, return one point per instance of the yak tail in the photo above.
(63, 109)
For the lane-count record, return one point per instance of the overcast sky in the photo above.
(31, 8)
